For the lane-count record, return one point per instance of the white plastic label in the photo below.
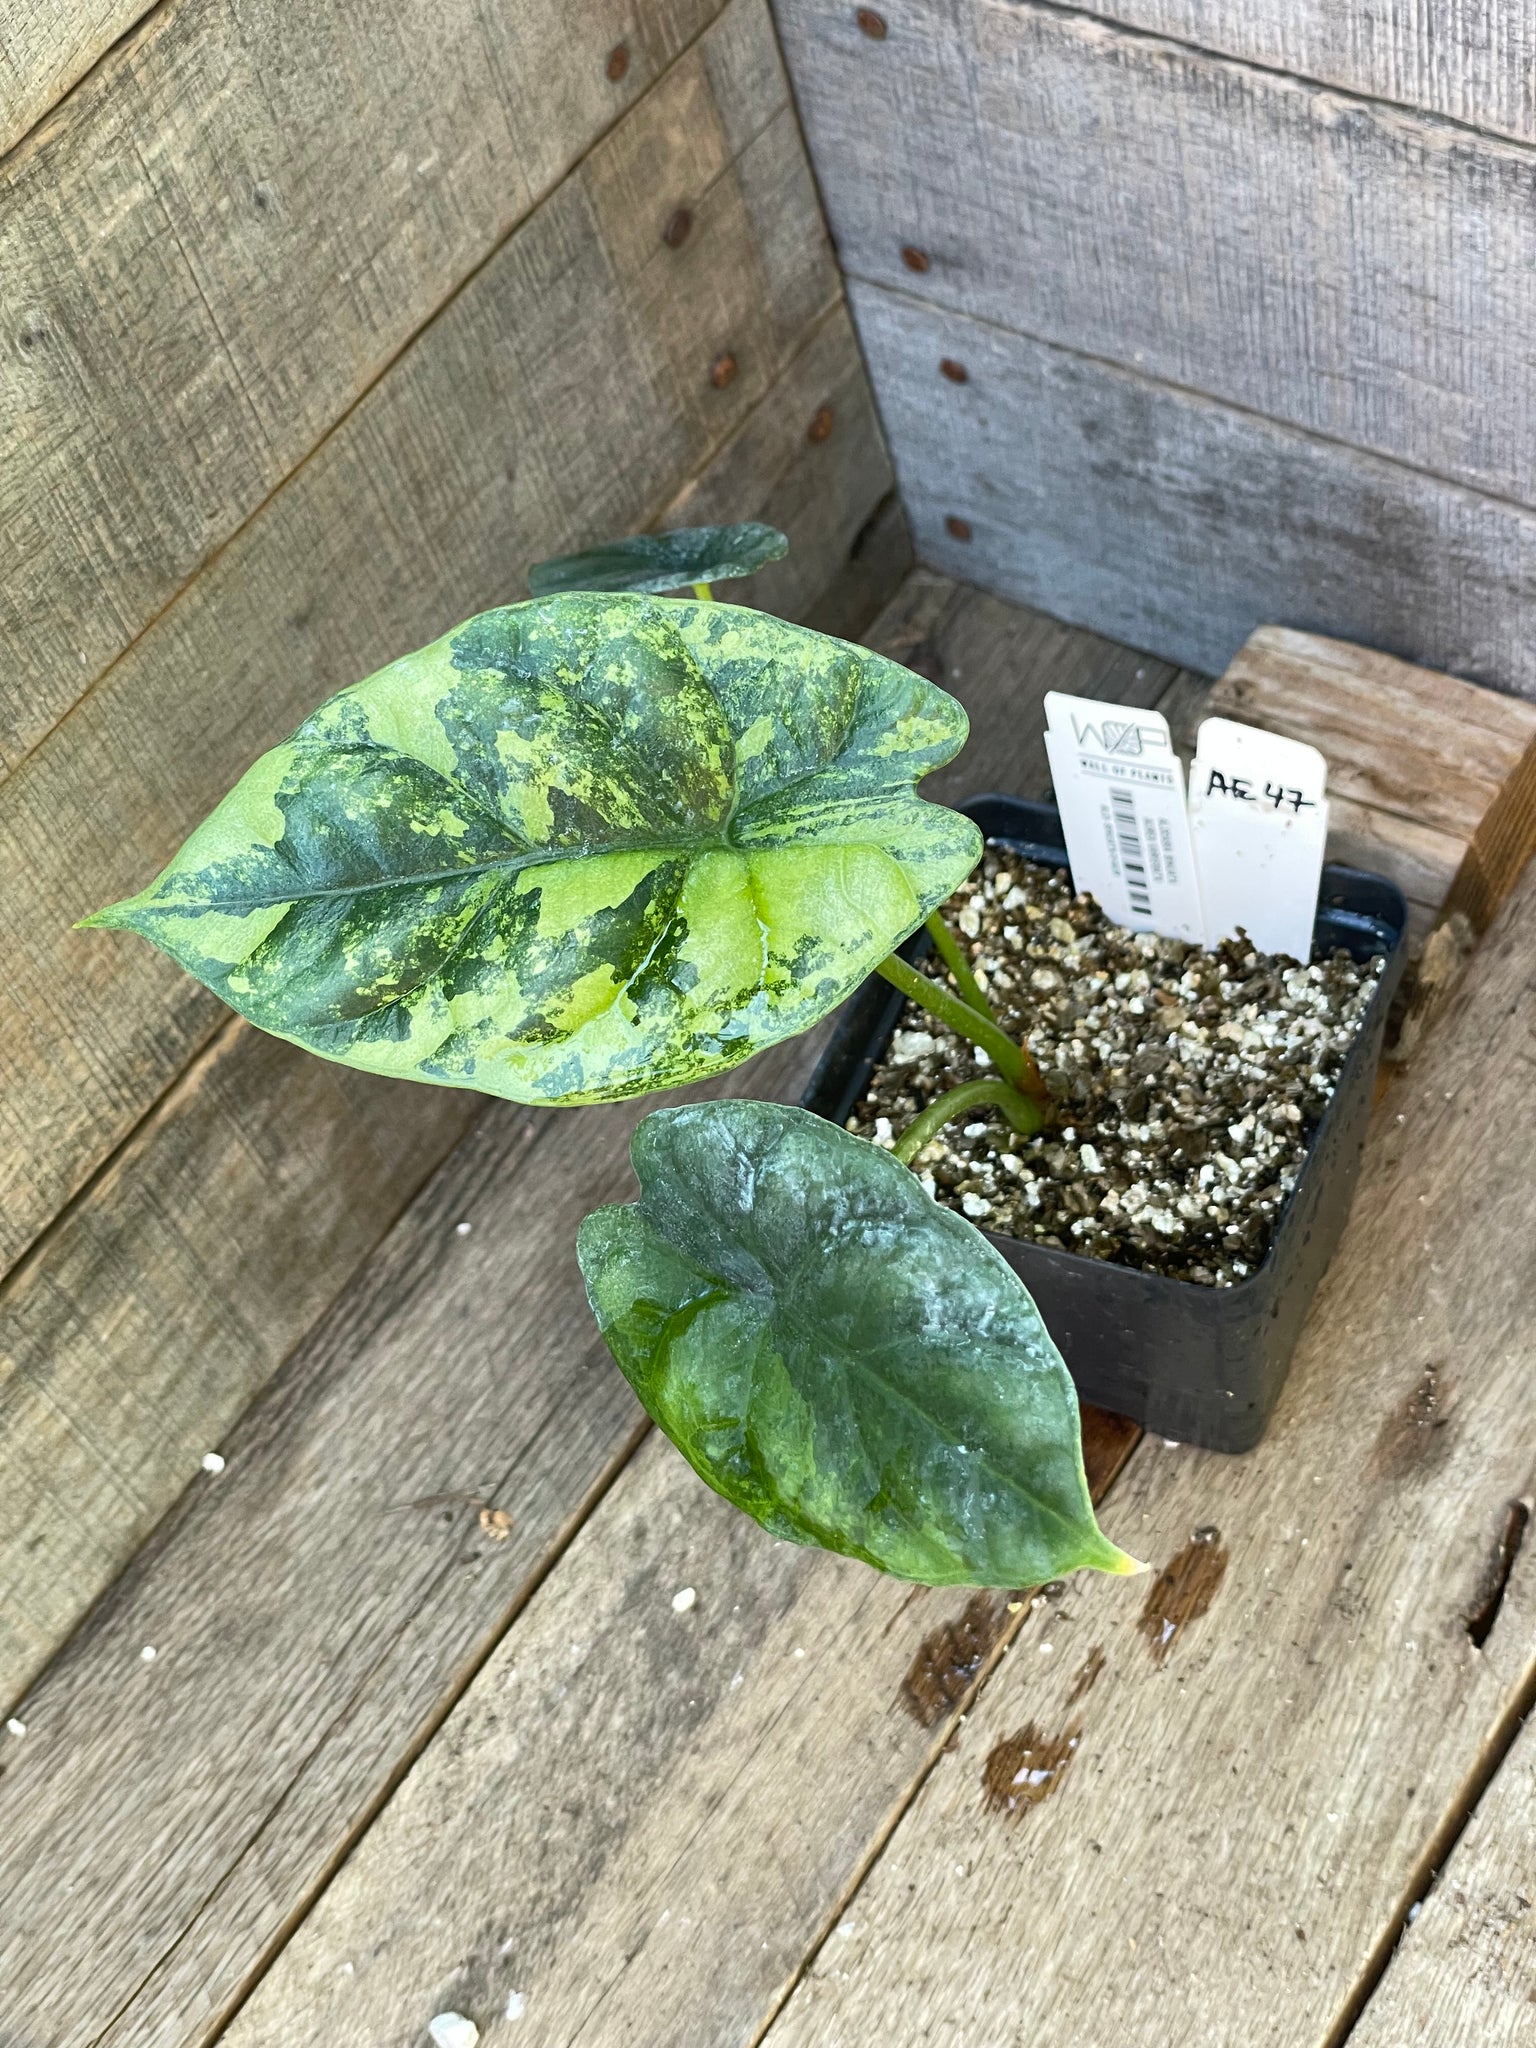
(1258, 816)
(1120, 790)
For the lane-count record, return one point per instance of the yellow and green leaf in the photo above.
(579, 849)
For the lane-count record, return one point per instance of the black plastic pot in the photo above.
(1202, 1364)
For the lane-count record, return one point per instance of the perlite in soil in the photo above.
(1187, 1084)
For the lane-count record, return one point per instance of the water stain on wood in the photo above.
(1024, 1769)
(1414, 1436)
(1087, 1675)
(949, 1658)
(1182, 1591)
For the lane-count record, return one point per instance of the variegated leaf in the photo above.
(847, 1361)
(579, 849)
(663, 561)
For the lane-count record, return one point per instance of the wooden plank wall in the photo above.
(325, 322)
(1240, 345)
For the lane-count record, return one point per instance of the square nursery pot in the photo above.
(1201, 1364)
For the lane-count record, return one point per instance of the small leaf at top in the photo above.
(579, 849)
(662, 561)
(848, 1362)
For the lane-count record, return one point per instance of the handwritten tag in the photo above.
(1120, 791)
(1258, 818)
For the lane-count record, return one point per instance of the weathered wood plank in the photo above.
(1462, 58)
(1431, 779)
(45, 46)
(422, 507)
(636, 1820)
(1351, 268)
(1257, 1790)
(809, 460)
(223, 238)
(1178, 524)
(611, 1888)
(1464, 1975)
(316, 1607)
(140, 1328)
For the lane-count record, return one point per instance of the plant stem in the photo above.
(1026, 1117)
(952, 954)
(703, 593)
(939, 1002)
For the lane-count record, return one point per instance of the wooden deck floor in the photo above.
(385, 1762)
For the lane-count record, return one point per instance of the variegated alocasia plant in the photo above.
(603, 843)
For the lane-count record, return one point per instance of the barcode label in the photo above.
(1120, 789)
(1132, 866)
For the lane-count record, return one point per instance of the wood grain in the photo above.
(225, 236)
(1462, 58)
(45, 46)
(422, 507)
(1244, 1823)
(1464, 1975)
(1353, 269)
(821, 492)
(165, 1298)
(1178, 524)
(635, 1820)
(1431, 779)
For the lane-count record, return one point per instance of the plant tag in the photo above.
(1259, 820)
(1120, 791)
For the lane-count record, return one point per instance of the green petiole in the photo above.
(1013, 1062)
(703, 593)
(950, 951)
(1026, 1117)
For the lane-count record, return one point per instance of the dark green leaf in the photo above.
(578, 849)
(842, 1358)
(662, 561)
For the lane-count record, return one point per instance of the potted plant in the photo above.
(607, 842)
(1174, 1219)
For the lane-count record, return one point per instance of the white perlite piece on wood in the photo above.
(452, 2030)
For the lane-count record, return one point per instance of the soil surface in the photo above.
(1187, 1084)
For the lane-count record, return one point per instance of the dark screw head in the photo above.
(957, 529)
(872, 24)
(914, 259)
(618, 61)
(675, 233)
(722, 371)
(957, 373)
(821, 425)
